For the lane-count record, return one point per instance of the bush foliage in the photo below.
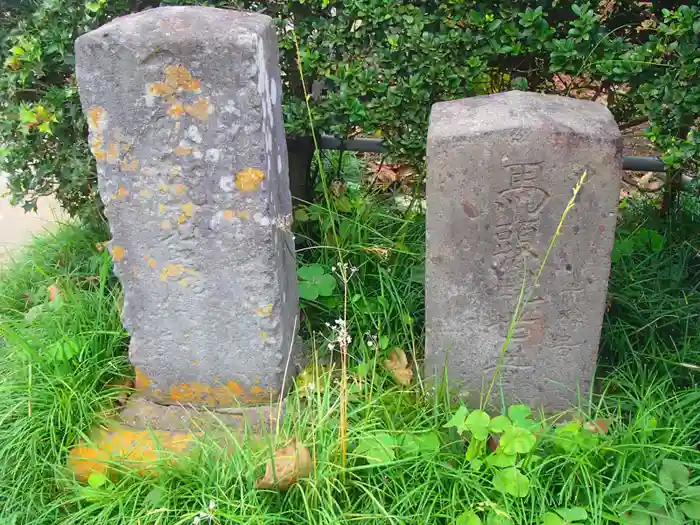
(372, 67)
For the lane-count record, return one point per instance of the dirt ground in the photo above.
(17, 227)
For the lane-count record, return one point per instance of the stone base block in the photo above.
(146, 435)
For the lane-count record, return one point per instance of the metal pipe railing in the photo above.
(368, 145)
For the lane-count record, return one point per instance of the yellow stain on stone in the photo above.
(130, 166)
(187, 209)
(166, 225)
(230, 214)
(118, 253)
(151, 262)
(249, 179)
(183, 151)
(113, 152)
(177, 78)
(264, 335)
(265, 311)
(97, 118)
(230, 394)
(96, 147)
(145, 193)
(176, 110)
(170, 271)
(164, 188)
(161, 208)
(200, 109)
(141, 381)
(138, 450)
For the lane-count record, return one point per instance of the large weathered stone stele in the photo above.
(184, 110)
(501, 170)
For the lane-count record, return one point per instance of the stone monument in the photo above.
(501, 170)
(185, 117)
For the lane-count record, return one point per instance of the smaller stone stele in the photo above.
(184, 107)
(501, 170)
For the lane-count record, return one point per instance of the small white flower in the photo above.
(195, 520)
(212, 505)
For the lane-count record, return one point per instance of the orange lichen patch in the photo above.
(151, 262)
(140, 450)
(183, 151)
(113, 152)
(195, 363)
(230, 214)
(170, 271)
(177, 78)
(130, 166)
(141, 381)
(121, 193)
(118, 253)
(259, 395)
(249, 179)
(96, 145)
(200, 109)
(265, 311)
(187, 212)
(176, 110)
(97, 117)
(180, 189)
(230, 395)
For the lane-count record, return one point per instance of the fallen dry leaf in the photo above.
(599, 426)
(383, 253)
(398, 366)
(290, 464)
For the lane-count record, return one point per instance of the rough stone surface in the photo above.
(500, 172)
(184, 110)
(141, 413)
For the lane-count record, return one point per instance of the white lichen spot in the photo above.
(262, 67)
(273, 90)
(213, 155)
(227, 183)
(264, 221)
(279, 163)
(197, 154)
(230, 107)
(193, 134)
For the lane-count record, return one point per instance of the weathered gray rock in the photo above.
(500, 172)
(184, 109)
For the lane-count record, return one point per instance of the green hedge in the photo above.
(372, 67)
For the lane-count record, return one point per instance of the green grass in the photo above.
(403, 465)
